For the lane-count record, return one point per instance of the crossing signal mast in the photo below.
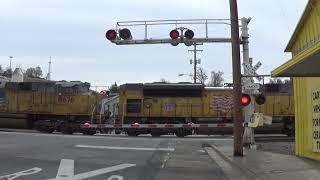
(121, 35)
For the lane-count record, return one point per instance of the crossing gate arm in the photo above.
(153, 126)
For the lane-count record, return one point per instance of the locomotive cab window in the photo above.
(133, 105)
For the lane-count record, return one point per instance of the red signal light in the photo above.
(189, 34)
(125, 34)
(245, 99)
(111, 35)
(102, 93)
(174, 34)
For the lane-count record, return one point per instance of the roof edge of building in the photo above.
(299, 25)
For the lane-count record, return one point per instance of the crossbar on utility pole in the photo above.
(195, 50)
(236, 67)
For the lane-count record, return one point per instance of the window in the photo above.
(133, 105)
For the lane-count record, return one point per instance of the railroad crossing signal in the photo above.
(174, 34)
(176, 37)
(190, 40)
(252, 70)
(125, 34)
(245, 99)
(121, 34)
(111, 35)
(257, 66)
(102, 93)
(260, 99)
(254, 86)
(189, 34)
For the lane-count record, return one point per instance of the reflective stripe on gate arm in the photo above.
(165, 126)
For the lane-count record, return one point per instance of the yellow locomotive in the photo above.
(48, 106)
(181, 103)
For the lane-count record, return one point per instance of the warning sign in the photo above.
(316, 120)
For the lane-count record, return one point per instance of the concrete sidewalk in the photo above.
(262, 165)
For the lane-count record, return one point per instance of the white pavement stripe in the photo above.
(21, 173)
(100, 172)
(115, 177)
(125, 148)
(66, 168)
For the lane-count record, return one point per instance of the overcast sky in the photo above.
(73, 33)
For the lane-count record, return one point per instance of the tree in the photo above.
(288, 81)
(30, 72)
(275, 81)
(163, 80)
(7, 72)
(38, 71)
(201, 75)
(216, 79)
(1, 70)
(34, 72)
(114, 88)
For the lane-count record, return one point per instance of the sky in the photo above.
(72, 32)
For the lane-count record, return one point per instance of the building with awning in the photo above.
(304, 67)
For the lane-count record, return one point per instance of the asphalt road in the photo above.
(36, 156)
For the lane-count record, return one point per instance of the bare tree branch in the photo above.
(201, 75)
(216, 79)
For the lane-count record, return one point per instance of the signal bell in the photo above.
(245, 99)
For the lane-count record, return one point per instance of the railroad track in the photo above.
(258, 138)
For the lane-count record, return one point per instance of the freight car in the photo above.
(190, 105)
(48, 106)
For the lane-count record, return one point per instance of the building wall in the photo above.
(309, 33)
(305, 103)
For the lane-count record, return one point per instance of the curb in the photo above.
(18, 130)
(247, 173)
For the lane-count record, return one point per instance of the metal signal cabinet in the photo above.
(304, 46)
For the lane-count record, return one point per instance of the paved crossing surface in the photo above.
(36, 156)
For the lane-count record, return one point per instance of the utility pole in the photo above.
(10, 57)
(195, 61)
(49, 70)
(236, 68)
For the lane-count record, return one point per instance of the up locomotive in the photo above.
(181, 103)
(47, 106)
